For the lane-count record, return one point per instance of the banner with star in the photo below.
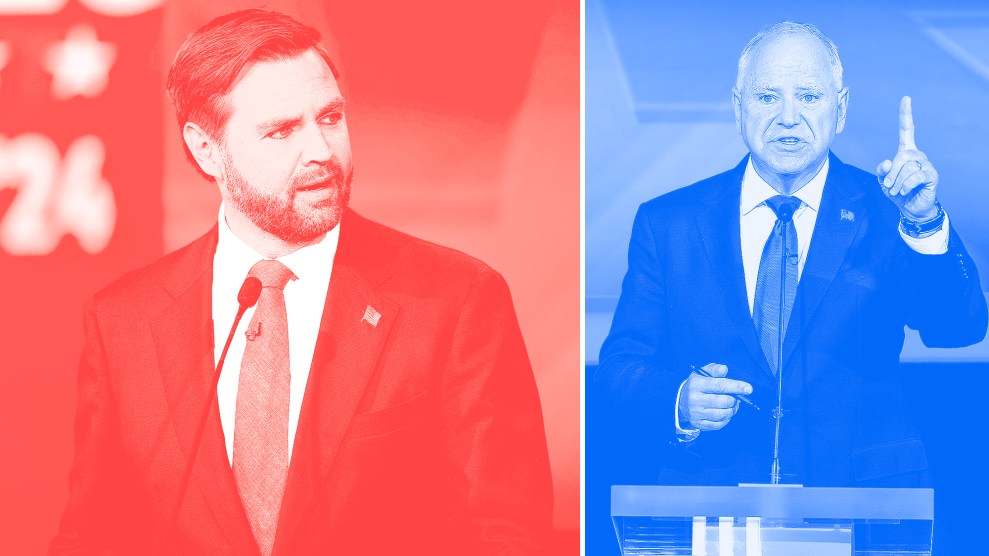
(80, 204)
(80, 127)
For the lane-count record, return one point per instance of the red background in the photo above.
(464, 121)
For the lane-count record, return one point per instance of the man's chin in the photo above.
(789, 167)
(311, 230)
(299, 220)
(301, 229)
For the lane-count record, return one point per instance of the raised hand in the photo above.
(909, 180)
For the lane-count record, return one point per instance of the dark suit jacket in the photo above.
(683, 302)
(421, 435)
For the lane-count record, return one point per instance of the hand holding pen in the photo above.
(708, 400)
(740, 397)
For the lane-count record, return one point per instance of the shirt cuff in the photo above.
(683, 435)
(934, 244)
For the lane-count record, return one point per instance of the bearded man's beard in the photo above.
(278, 214)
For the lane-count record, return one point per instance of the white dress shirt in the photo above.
(304, 301)
(757, 222)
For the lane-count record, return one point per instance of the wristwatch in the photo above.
(923, 228)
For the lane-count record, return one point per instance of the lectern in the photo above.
(772, 520)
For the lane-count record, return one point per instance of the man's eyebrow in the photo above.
(277, 123)
(759, 89)
(334, 105)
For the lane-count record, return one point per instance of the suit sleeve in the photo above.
(100, 517)
(493, 429)
(943, 296)
(635, 377)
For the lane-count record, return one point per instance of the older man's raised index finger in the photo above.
(906, 125)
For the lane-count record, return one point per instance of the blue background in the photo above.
(659, 117)
(659, 114)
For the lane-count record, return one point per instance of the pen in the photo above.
(740, 397)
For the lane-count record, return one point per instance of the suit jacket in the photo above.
(420, 435)
(683, 303)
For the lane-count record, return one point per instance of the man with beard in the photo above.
(377, 399)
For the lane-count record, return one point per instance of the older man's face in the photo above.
(286, 148)
(789, 109)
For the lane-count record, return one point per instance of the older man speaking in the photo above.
(762, 316)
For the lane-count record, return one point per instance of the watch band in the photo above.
(923, 228)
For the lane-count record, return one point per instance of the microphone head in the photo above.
(249, 292)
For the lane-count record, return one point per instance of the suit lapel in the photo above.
(351, 340)
(834, 233)
(720, 227)
(183, 335)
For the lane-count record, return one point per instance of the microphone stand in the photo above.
(247, 297)
(774, 475)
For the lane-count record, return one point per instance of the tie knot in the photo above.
(272, 274)
(784, 206)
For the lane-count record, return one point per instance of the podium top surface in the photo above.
(772, 501)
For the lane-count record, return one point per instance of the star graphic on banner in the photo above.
(80, 64)
(4, 55)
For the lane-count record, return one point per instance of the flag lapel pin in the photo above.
(371, 316)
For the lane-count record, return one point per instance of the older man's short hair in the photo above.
(212, 58)
(789, 29)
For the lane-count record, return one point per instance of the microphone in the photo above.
(785, 215)
(247, 297)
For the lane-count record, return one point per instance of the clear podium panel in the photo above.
(772, 520)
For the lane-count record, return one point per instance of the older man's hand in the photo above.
(708, 403)
(909, 180)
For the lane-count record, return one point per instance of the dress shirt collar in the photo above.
(755, 190)
(234, 258)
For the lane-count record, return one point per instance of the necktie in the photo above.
(260, 461)
(772, 303)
